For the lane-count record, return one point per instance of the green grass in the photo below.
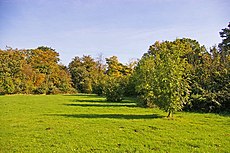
(87, 123)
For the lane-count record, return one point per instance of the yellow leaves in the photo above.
(40, 78)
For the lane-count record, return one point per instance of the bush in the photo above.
(40, 90)
(53, 90)
(224, 98)
(98, 88)
(2, 92)
(113, 89)
(207, 102)
(144, 101)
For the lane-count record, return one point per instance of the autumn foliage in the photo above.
(33, 71)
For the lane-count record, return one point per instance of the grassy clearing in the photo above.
(87, 123)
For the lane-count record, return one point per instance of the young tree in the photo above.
(161, 76)
(113, 88)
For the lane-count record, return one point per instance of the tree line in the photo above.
(33, 71)
(172, 75)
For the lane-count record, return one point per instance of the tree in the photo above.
(99, 76)
(225, 44)
(11, 64)
(85, 73)
(161, 76)
(224, 48)
(116, 80)
(33, 71)
(209, 77)
(129, 79)
(50, 76)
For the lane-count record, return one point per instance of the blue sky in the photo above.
(124, 28)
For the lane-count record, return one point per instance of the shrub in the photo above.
(40, 90)
(114, 89)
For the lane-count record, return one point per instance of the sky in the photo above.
(123, 28)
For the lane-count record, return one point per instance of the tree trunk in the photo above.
(170, 114)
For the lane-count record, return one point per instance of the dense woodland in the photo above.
(172, 75)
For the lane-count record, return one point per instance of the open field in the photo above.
(87, 123)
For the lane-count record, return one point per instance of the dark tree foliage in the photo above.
(224, 46)
(210, 77)
(87, 74)
(210, 83)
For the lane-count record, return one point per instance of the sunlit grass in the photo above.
(87, 123)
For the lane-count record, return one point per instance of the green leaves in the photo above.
(161, 75)
(86, 74)
(114, 89)
(225, 44)
(117, 80)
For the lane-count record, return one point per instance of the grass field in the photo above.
(87, 123)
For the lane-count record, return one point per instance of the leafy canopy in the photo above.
(161, 75)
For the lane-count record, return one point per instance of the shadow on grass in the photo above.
(100, 101)
(110, 116)
(225, 114)
(84, 95)
(99, 98)
(100, 105)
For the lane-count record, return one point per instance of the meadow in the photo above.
(87, 123)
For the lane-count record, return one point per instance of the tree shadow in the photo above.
(109, 116)
(225, 114)
(88, 100)
(100, 101)
(84, 95)
(100, 105)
